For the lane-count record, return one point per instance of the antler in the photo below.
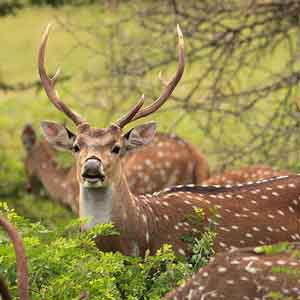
(22, 270)
(128, 117)
(49, 83)
(135, 113)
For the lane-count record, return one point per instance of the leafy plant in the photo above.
(279, 296)
(65, 264)
(203, 249)
(201, 243)
(273, 249)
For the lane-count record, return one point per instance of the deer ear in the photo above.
(28, 137)
(57, 135)
(139, 135)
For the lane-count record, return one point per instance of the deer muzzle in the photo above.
(93, 173)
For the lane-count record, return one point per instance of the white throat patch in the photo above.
(95, 204)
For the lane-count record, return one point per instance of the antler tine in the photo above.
(49, 83)
(170, 86)
(128, 117)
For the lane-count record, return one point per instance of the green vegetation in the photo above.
(201, 243)
(65, 264)
(10, 7)
(273, 249)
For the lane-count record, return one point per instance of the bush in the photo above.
(56, 3)
(9, 7)
(65, 264)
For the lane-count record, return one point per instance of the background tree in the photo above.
(241, 86)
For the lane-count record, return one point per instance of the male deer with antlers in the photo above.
(168, 160)
(254, 213)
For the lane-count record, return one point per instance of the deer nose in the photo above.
(93, 169)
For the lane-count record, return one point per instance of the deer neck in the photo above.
(95, 205)
(113, 203)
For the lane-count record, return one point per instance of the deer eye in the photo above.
(115, 149)
(76, 148)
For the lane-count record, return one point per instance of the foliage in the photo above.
(276, 296)
(11, 175)
(291, 272)
(56, 3)
(203, 250)
(39, 209)
(201, 243)
(8, 7)
(65, 263)
(273, 249)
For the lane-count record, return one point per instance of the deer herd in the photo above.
(147, 183)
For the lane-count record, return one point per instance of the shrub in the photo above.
(9, 7)
(65, 264)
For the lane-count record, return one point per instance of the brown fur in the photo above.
(243, 274)
(201, 168)
(167, 161)
(244, 174)
(261, 213)
(254, 213)
(60, 183)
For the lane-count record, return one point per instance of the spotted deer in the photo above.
(168, 160)
(244, 274)
(266, 211)
(22, 269)
(41, 165)
(244, 174)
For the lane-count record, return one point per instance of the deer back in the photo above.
(244, 215)
(244, 174)
(244, 274)
(167, 161)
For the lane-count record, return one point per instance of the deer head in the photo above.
(28, 137)
(99, 151)
(29, 142)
